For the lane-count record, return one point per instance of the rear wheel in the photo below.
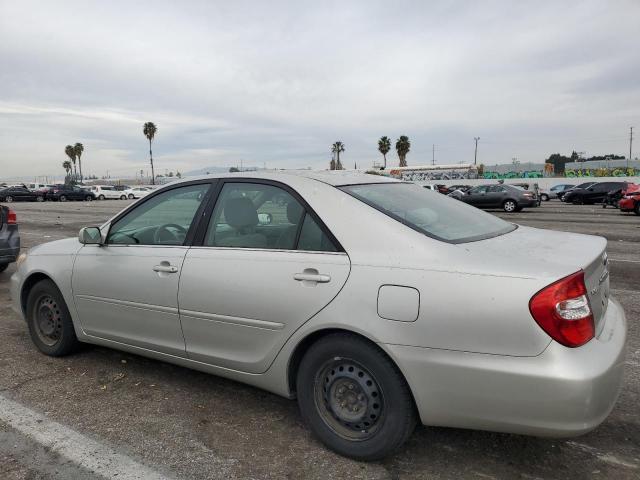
(3, 267)
(354, 398)
(88, 198)
(544, 197)
(131, 197)
(636, 208)
(123, 197)
(101, 197)
(509, 206)
(8, 199)
(63, 198)
(39, 198)
(49, 321)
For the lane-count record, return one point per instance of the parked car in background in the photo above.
(508, 197)
(20, 194)
(9, 237)
(376, 303)
(462, 188)
(562, 194)
(63, 193)
(557, 189)
(630, 201)
(594, 193)
(138, 192)
(104, 192)
(121, 188)
(36, 187)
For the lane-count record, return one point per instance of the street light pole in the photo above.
(475, 155)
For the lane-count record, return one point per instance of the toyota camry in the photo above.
(376, 303)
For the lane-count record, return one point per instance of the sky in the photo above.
(276, 83)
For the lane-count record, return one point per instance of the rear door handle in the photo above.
(312, 277)
(165, 269)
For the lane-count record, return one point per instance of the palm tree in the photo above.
(332, 164)
(67, 166)
(149, 131)
(402, 147)
(384, 145)
(71, 153)
(78, 148)
(337, 148)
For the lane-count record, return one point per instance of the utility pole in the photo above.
(630, 144)
(433, 154)
(475, 155)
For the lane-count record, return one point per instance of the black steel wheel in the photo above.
(49, 321)
(354, 398)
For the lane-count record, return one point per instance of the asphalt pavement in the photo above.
(165, 421)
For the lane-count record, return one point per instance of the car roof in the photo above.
(335, 178)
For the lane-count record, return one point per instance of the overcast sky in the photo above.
(277, 83)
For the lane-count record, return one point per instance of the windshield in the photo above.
(431, 213)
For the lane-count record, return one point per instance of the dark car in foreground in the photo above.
(63, 193)
(594, 193)
(508, 197)
(9, 237)
(19, 194)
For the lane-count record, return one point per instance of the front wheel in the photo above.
(123, 197)
(39, 198)
(3, 267)
(131, 197)
(354, 398)
(88, 198)
(101, 197)
(63, 198)
(509, 206)
(49, 321)
(636, 208)
(544, 197)
(8, 199)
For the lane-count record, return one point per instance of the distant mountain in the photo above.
(207, 170)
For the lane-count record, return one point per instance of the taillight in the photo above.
(563, 311)
(12, 218)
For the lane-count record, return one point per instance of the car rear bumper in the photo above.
(528, 202)
(561, 392)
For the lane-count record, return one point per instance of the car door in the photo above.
(496, 194)
(475, 196)
(127, 289)
(265, 264)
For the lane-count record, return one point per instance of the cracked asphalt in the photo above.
(191, 425)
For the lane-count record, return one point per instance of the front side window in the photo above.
(433, 214)
(480, 189)
(162, 220)
(254, 215)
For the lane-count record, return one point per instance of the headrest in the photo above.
(294, 212)
(240, 212)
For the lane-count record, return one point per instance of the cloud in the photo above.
(278, 82)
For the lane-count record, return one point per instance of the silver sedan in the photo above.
(377, 303)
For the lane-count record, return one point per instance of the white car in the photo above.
(137, 192)
(103, 192)
(376, 303)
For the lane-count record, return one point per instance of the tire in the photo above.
(345, 369)
(544, 197)
(8, 199)
(63, 198)
(49, 321)
(123, 197)
(39, 199)
(88, 198)
(101, 197)
(131, 197)
(636, 208)
(3, 267)
(509, 206)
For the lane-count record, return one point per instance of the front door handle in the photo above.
(311, 277)
(165, 269)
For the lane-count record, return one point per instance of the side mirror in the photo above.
(90, 236)
(265, 218)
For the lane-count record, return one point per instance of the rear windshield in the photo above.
(436, 215)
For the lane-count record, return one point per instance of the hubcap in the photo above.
(509, 206)
(349, 399)
(48, 320)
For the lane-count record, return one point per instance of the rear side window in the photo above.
(255, 215)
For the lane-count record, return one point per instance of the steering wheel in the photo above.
(157, 236)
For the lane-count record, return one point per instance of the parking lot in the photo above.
(185, 424)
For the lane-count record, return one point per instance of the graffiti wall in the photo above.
(417, 176)
(571, 173)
